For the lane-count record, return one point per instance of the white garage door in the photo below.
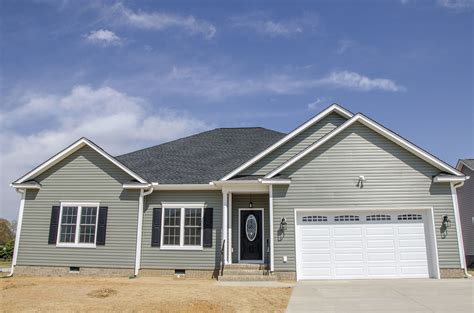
(361, 245)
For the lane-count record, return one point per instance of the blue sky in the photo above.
(132, 74)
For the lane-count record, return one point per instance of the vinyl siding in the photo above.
(242, 201)
(466, 211)
(84, 176)
(295, 145)
(208, 258)
(326, 178)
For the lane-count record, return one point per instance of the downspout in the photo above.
(458, 224)
(18, 230)
(138, 252)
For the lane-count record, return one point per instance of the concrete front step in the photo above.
(247, 278)
(245, 266)
(240, 271)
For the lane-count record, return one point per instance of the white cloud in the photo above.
(343, 45)
(355, 81)
(116, 121)
(259, 23)
(456, 4)
(160, 21)
(215, 85)
(103, 37)
(316, 104)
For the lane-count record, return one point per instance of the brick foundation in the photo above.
(21, 270)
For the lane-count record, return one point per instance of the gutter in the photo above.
(458, 225)
(18, 230)
(138, 251)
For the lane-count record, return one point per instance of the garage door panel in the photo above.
(316, 257)
(381, 243)
(316, 244)
(347, 231)
(376, 248)
(379, 231)
(316, 231)
(412, 243)
(349, 257)
(347, 244)
(381, 256)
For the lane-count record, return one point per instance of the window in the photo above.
(182, 226)
(378, 217)
(78, 226)
(315, 218)
(409, 217)
(346, 218)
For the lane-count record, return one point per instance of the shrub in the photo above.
(6, 251)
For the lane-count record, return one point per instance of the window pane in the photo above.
(192, 227)
(171, 227)
(68, 224)
(87, 229)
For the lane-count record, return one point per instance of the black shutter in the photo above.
(156, 228)
(53, 225)
(102, 226)
(208, 221)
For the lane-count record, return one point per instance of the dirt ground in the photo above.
(144, 294)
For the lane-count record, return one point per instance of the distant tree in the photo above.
(7, 231)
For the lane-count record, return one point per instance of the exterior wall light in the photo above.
(360, 181)
(445, 224)
(283, 224)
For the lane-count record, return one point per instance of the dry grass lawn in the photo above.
(144, 294)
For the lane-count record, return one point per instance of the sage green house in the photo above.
(340, 197)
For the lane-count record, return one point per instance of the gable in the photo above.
(359, 150)
(297, 144)
(79, 144)
(84, 167)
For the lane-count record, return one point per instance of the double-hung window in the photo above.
(182, 226)
(78, 224)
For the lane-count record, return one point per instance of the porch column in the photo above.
(225, 208)
(270, 201)
(229, 258)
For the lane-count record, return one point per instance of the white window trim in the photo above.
(76, 243)
(182, 207)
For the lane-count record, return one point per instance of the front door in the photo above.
(251, 234)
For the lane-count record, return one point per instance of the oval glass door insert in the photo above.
(251, 227)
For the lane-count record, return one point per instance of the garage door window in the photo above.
(409, 217)
(315, 218)
(346, 218)
(378, 217)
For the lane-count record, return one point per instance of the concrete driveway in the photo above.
(401, 295)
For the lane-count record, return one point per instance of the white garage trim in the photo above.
(431, 242)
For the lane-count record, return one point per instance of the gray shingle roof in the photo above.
(200, 158)
(469, 163)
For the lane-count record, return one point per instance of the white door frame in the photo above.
(263, 235)
(432, 244)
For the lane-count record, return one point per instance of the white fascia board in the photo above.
(184, 187)
(68, 151)
(26, 186)
(449, 178)
(333, 108)
(136, 186)
(379, 129)
(275, 181)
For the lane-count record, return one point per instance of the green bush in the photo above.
(6, 251)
